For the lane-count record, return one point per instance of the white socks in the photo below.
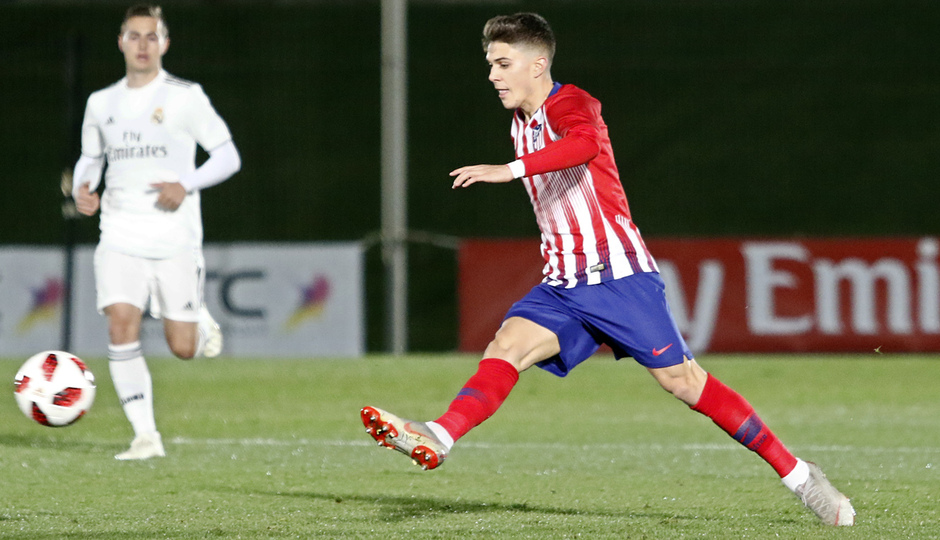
(441, 434)
(133, 385)
(797, 476)
(202, 335)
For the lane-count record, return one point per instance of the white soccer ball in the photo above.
(54, 388)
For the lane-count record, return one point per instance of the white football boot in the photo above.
(144, 446)
(210, 334)
(820, 496)
(414, 439)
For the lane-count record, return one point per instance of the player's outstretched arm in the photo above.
(471, 174)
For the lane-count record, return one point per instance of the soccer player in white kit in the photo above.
(145, 128)
(601, 284)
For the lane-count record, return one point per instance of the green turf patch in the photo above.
(274, 449)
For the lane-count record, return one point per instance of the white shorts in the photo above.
(172, 288)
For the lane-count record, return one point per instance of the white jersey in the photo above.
(149, 135)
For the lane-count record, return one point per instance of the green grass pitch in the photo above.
(274, 449)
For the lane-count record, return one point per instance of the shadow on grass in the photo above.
(51, 443)
(109, 535)
(401, 508)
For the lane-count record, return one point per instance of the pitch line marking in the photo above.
(639, 447)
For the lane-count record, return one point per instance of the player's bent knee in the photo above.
(682, 390)
(183, 352)
(500, 347)
(120, 334)
(181, 337)
(518, 352)
(684, 381)
(522, 343)
(502, 350)
(123, 323)
(182, 348)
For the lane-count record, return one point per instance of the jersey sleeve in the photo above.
(92, 144)
(205, 125)
(576, 119)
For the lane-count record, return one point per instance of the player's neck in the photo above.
(539, 95)
(138, 79)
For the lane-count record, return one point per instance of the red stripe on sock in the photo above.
(732, 413)
(479, 398)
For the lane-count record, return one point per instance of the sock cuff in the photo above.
(704, 403)
(124, 351)
(502, 366)
(797, 476)
(442, 434)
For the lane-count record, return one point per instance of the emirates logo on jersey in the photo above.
(157, 116)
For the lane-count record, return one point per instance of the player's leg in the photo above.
(188, 340)
(646, 330)
(132, 381)
(519, 344)
(189, 329)
(704, 393)
(129, 372)
(122, 287)
(662, 350)
(182, 337)
(543, 328)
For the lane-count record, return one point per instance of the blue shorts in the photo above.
(629, 314)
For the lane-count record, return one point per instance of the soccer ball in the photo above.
(54, 388)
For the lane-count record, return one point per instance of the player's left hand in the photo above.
(171, 195)
(86, 201)
(471, 174)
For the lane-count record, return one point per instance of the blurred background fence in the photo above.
(728, 118)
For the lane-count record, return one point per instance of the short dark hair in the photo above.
(521, 29)
(146, 10)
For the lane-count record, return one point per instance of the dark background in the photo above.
(729, 117)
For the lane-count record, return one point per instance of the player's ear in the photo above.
(165, 46)
(121, 42)
(539, 66)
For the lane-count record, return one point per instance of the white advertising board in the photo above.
(272, 300)
(32, 290)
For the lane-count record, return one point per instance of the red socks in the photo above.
(486, 390)
(734, 414)
(480, 397)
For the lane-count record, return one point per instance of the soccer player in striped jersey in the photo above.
(145, 129)
(601, 284)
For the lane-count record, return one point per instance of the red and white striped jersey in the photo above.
(573, 184)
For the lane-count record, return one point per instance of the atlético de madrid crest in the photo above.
(536, 131)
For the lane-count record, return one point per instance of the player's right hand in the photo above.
(86, 202)
(471, 174)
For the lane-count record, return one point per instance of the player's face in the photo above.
(143, 44)
(514, 72)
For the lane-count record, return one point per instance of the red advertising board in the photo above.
(748, 294)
